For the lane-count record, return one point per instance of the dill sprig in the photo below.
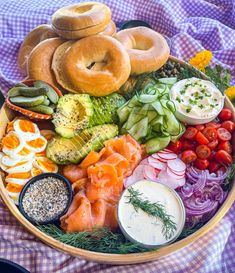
(98, 240)
(153, 209)
(229, 178)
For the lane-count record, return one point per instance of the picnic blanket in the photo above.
(191, 26)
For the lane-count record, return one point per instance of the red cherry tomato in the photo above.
(201, 139)
(223, 134)
(213, 124)
(188, 156)
(188, 145)
(214, 166)
(223, 157)
(212, 156)
(225, 114)
(200, 127)
(203, 151)
(226, 146)
(175, 147)
(201, 164)
(228, 125)
(213, 144)
(190, 133)
(210, 133)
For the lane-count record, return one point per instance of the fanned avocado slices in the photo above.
(64, 151)
(72, 114)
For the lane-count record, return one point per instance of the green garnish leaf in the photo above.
(153, 209)
(229, 178)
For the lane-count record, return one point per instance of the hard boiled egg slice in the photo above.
(36, 145)
(17, 181)
(2, 165)
(23, 175)
(24, 154)
(12, 143)
(21, 167)
(48, 134)
(9, 161)
(45, 165)
(36, 171)
(14, 196)
(27, 129)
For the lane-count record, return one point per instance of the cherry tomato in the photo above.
(223, 134)
(223, 157)
(228, 125)
(213, 124)
(200, 127)
(190, 133)
(226, 146)
(214, 166)
(213, 144)
(188, 145)
(175, 147)
(201, 164)
(212, 156)
(210, 133)
(188, 156)
(225, 114)
(201, 139)
(203, 151)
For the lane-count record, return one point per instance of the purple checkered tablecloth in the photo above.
(191, 25)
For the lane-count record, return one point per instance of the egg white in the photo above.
(39, 149)
(11, 152)
(26, 135)
(17, 181)
(21, 168)
(36, 165)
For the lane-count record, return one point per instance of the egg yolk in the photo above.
(43, 153)
(11, 141)
(36, 171)
(10, 126)
(26, 126)
(24, 151)
(25, 175)
(46, 164)
(11, 187)
(36, 143)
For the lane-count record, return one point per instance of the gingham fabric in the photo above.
(191, 25)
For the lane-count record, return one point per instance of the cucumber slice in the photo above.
(156, 144)
(42, 109)
(27, 102)
(169, 81)
(51, 93)
(146, 98)
(158, 107)
(182, 130)
(139, 130)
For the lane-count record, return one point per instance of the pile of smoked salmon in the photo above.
(98, 183)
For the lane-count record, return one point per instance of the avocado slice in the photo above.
(72, 115)
(63, 150)
(105, 109)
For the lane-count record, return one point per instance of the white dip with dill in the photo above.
(197, 98)
(142, 228)
(45, 199)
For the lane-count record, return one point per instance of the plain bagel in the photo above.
(73, 65)
(33, 38)
(110, 29)
(147, 49)
(81, 16)
(40, 59)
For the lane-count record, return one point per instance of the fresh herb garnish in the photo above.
(178, 99)
(188, 110)
(182, 92)
(201, 106)
(192, 101)
(188, 231)
(229, 178)
(153, 209)
(98, 240)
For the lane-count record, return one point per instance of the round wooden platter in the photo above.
(7, 115)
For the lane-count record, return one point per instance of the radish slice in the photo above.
(168, 180)
(144, 162)
(156, 156)
(165, 151)
(149, 173)
(138, 174)
(168, 156)
(176, 165)
(176, 176)
(156, 163)
(129, 181)
(177, 173)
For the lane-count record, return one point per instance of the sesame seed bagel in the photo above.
(97, 65)
(147, 49)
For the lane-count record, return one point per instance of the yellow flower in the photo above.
(230, 92)
(201, 60)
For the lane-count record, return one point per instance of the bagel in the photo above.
(33, 38)
(40, 59)
(147, 49)
(111, 65)
(110, 29)
(81, 16)
(81, 33)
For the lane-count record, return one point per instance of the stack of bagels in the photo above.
(82, 53)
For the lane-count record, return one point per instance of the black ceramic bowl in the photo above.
(35, 179)
(134, 23)
(7, 266)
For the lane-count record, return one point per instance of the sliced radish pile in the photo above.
(164, 167)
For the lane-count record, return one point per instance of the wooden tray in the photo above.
(7, 115)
